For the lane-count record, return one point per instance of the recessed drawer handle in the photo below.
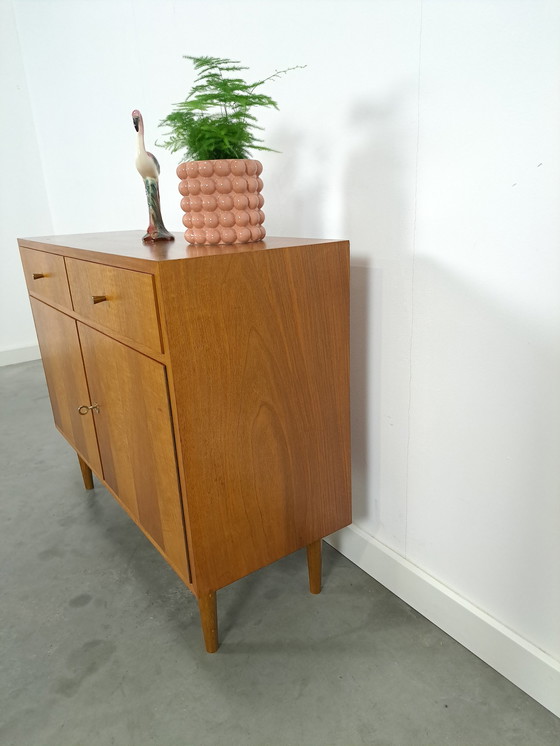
(98, 298)
(84, 409)
(37, 275)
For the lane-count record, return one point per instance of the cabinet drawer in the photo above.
(45, 275)
(121, 300)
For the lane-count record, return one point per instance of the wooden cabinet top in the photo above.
(126, 248)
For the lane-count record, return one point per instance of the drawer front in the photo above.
(45, 275)
(120, 300)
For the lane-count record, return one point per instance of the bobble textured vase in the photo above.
(222, 201)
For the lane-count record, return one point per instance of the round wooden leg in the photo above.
(87, 476)
(314, 566)
(209, 620)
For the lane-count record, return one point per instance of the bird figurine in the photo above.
(148, 168)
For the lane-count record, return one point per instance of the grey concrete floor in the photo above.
(100, 641)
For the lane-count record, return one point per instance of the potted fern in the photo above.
(214, 128)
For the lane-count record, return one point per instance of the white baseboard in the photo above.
(19, 355)
(525, 665)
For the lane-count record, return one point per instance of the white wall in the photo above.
(485, 404)
(429, 132)
(24, 208)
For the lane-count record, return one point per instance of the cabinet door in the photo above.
(136, 438)
(66, 380)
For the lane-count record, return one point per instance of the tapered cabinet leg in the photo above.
(86, 474)
(209, 620)
(314, 566)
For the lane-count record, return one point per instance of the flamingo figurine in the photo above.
(148, 168)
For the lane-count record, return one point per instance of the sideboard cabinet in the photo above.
(207, 388)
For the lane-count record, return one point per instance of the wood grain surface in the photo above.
(208, 610)
(259, 350)
(231, 448)
(130, 308)
(127, 249)
(66, 380)
(53, 285)
(136, 438)
(315, 565)
(87, 476)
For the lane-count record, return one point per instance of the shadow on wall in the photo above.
(365, 324)
(374, 189)
(375, 216)
(294, 186)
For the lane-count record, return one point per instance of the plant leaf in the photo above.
(215, 119)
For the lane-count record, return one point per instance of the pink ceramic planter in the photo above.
(222, 201)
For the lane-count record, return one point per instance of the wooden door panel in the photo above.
(260, 358)
(66, 381)
(136, 438)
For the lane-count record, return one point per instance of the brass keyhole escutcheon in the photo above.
(84, 409)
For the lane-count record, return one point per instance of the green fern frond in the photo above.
(215, 119)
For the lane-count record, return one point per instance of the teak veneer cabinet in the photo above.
(207, 388)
